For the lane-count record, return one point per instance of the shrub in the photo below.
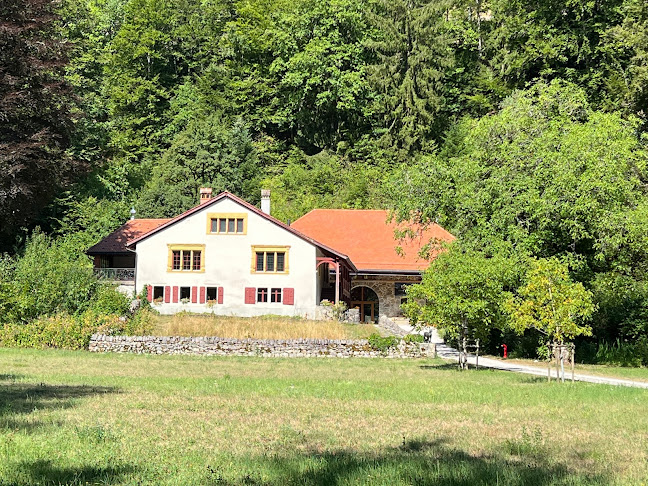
(382, 344)
(109, 300)
(73, 331)
(623, 353)
(413, 338)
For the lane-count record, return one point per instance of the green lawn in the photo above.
(81, 418)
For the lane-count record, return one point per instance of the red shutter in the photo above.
(289, 296)
(175, 294)
(194, 295)
(202, 295)
(167, 294)
(220, 295)
(249, 295)
(149, 293)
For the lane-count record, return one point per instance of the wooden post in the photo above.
(548, 365)
(573, 359)
(337, 282)
(557, 355)
(477, 356)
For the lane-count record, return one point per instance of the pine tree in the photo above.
(413, 61)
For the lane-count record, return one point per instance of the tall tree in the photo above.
(413, 59)
(35, 114)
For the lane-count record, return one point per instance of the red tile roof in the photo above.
(115, 242)
(368, 238)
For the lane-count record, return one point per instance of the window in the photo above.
(212, 294)
(262, 295)
(185, 293)
(158, 293)
(400, 288)
(275, 295)
(266, 259)
(186, 258)
(227, 223)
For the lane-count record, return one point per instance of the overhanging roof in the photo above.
(367, 236)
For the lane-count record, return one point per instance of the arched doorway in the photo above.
(366, 300)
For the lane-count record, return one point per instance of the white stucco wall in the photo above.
(227, 260)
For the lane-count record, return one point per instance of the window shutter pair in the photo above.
(250, 296)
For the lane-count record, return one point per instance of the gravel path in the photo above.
(446, 352)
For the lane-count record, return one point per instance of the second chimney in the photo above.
(265, 201)
(205, 194)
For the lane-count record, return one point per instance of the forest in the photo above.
(520, 126)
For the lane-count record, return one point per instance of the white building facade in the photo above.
(227, 257)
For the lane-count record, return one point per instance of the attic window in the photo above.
(227, 223)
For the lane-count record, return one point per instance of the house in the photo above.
(229, 257)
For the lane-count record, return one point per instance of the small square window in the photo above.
(262, 295)
(212, 293)
(158, 293)
(275, 295)
(185, 293)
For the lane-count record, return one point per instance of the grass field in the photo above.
(264, 327)
(82, 418)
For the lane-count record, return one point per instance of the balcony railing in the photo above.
(116, 274)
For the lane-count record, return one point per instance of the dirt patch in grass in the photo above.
(264, 327)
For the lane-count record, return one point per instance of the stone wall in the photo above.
(215, 346)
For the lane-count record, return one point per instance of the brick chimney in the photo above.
(205, 194)
(265, 201)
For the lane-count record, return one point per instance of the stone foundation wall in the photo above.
(215, 346)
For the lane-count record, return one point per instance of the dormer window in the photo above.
(227, 223)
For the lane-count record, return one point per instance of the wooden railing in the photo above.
(116, 274)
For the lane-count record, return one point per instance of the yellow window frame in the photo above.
(226, 216)
(182, 248)
(270, 249)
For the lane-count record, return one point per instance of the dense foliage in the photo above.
(517, 125)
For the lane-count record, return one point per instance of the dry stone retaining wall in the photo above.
(215, 346)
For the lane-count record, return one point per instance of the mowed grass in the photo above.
(264, 327)
(81, 418)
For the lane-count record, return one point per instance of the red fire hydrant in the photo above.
(505, 349)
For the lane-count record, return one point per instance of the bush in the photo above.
(413, 338)
(109, 300)
(382, 344)
(73, 331)
(623, 353)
